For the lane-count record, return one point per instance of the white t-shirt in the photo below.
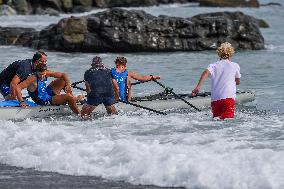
(223, 74)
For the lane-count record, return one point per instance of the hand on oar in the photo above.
(195, 91)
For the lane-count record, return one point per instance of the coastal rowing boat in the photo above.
(159, 101)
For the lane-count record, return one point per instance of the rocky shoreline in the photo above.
(55, 7)
(120, 30)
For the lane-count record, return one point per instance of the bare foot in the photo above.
(79, 98)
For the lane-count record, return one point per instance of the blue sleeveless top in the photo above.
(121, 79)
(42, 94)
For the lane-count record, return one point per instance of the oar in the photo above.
(74, 85)
(143, 107)
(130, 103)
(139, 82)
(80, 88)
(77, 82)
(176, 95)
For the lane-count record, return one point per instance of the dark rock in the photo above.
(128, 31)
(230, 3)
(67, 5)
(84, 3)
(6, 10)
(33, 6)
(17, 36)
(119, 30)
(49, 11)
(78, 9)
(21, 6)
(124, 3)
(272, 4)
(135, 3)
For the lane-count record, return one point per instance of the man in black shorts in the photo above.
(101, 88)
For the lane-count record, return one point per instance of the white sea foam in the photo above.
(276, 48)
(189, 150)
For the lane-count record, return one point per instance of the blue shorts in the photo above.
(107, 101)
(4, 89)
(47, 98)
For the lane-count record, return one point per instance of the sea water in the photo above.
(185, 148)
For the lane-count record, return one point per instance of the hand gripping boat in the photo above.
(11, 110)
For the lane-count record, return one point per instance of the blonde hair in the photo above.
(225, 51)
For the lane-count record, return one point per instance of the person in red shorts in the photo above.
(225, 75)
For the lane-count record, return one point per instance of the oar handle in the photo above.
(130, 103)
(77, 82)
(143, 107)
(80, 88)
(176, 95)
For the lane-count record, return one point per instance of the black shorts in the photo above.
(95, 101)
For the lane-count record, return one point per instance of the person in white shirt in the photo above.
(225, 75)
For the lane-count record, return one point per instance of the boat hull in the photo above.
(154, 102)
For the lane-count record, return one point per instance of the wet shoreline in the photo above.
(14, 177)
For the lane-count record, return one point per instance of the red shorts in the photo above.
(224, 108)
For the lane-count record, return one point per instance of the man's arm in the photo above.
(203, 76)
(63, 76)
(135, 76)
(129, 95)
(116, 89)
(15, 81)
(88, 87)
(25, 84)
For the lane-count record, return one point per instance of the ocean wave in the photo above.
(191, 150)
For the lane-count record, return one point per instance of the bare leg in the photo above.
(111, 109)
(87, 110)
(66, 98)
(57, 85)
(9, 97)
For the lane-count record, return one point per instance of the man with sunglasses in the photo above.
(19, 70)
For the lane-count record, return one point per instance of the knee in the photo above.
(70, 97)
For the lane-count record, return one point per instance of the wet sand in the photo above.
(14, 178)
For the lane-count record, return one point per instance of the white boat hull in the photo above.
(7, 113)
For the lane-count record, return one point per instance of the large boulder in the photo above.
(129, 31)
(239, 29)
(229, 3)
(120, 30)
